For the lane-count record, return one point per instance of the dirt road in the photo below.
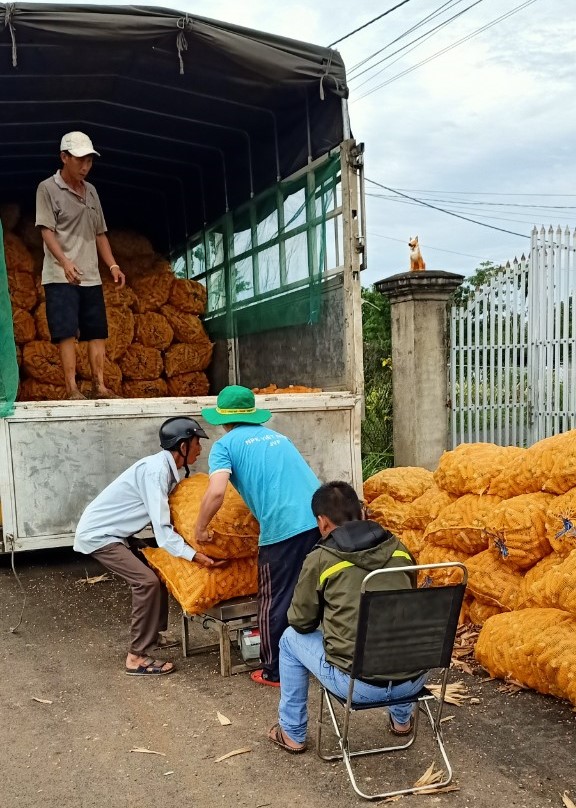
(507, 749)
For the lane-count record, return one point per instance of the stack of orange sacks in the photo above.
(233, 537)
(157, 344)
(509, 514)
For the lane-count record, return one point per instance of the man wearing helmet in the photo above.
(137, 497)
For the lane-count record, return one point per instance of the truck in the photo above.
(231, 149)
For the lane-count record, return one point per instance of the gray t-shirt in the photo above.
(76, 223)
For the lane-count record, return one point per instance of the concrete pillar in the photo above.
(419, 363)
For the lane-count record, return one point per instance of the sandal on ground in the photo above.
(151, 667)
(261, 678)
(401, 732)
(277, 736)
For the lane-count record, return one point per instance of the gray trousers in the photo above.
(149, 595)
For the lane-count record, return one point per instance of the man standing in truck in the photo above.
(277, 484)
(137, 497)
(70, 218)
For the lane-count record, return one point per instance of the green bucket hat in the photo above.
(235, 405)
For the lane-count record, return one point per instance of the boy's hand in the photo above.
(206, 561)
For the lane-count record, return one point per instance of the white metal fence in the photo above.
(512, 348)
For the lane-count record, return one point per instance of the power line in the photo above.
(430, 16)
(448, 212)
(478, 203)
(478, 193)
(419, 39)
(370, 22)
(474, 33)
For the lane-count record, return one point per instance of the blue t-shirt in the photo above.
(272, 478)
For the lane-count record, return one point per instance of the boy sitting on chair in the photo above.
(323, 615)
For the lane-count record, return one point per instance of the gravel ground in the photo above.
(506, 749)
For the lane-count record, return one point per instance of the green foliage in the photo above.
(377, 452)
(482, 274)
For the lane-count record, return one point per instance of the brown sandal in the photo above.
(276, 735)
(401, 732)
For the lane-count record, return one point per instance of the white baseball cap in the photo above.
(78, 144)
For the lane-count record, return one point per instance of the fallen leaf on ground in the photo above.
(167, 773)
(147, 751)
(430, 776)
(223, 720)
(241, 751)
(474, 701)
(456, 693)
(96, 579)
(567, 801)
(443, 790)
(41, 701)
(511, 686)
(447, 718)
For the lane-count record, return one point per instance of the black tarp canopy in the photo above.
(192, 116)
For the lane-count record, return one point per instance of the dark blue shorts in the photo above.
(75, 311)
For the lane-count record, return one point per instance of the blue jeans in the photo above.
(302, 654)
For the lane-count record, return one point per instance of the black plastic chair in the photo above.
(398, 631)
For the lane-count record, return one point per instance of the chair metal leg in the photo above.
(346, 754)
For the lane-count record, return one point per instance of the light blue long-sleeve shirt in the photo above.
(137, 497)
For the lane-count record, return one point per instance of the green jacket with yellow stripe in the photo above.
(328, 590)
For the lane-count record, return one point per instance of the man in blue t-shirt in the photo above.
(277, 484)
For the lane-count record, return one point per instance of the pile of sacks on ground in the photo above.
(233, 536)
(509, 515)
(157, 344)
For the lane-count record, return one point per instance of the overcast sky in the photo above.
(486, 129)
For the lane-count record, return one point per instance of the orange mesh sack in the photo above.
(139, 362)
(17, 255)
(32, 390)
(116, 295)
(233, 530)
(561, 523)
(492, 581)
(525, 600)
(563, 475)
(144, 389)
(184, 358)
(120, 331)
(557, 586)
(186, 327)
(128, 244)
(404, 483)
(389, 512)
(528, 472)
(440, 555)
(152, 290)
(424, 509)
(42, 323)
(460, 525)
(189, 384)
(41, 360)
(479, 612)
(197, 588)
(22, 288)
(537, 647)
(517, 529)
(24, 326)
(153, 330)
(188, 296)
(413, 540)
(470, 467)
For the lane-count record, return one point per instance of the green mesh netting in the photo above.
(263, 264)
(8, 363)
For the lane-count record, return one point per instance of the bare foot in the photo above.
(103, 392)
(76, 395)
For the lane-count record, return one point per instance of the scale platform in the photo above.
(227, 619)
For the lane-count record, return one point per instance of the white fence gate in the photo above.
(512, 349)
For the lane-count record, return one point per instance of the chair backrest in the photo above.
(405, 630)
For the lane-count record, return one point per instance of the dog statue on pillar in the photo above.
(416, 261)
